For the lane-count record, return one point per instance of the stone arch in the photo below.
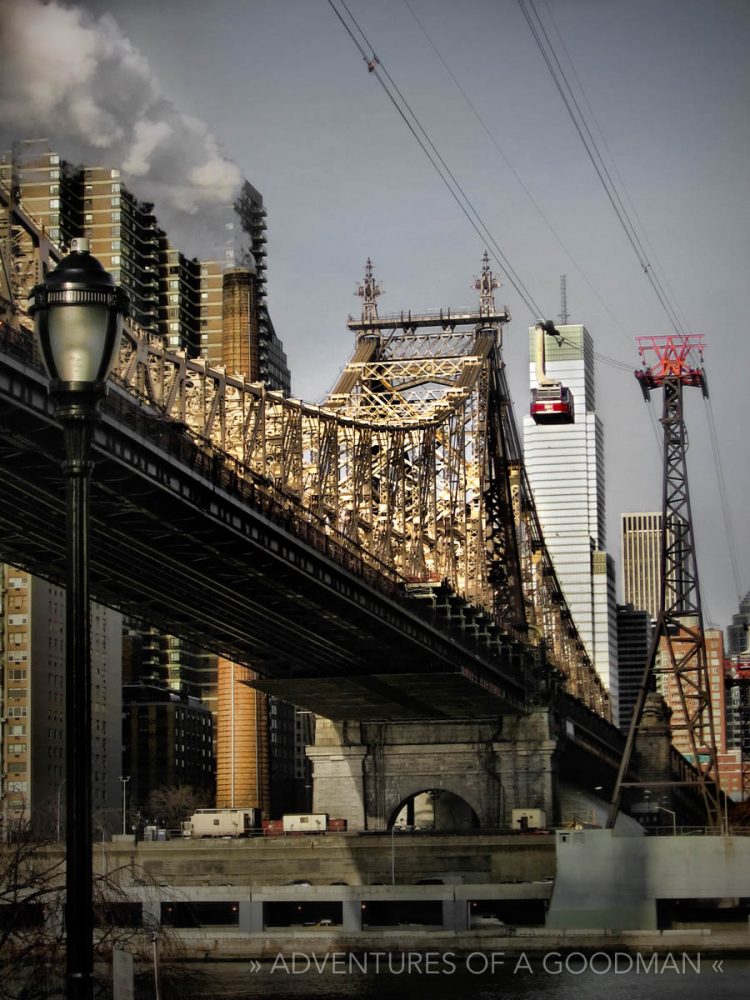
(438, 807)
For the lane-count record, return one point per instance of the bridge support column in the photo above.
(338, 773)
(529, 766)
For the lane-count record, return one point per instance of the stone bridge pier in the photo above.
(366, 771)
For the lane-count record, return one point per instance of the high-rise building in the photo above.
(50, 188)
(167, 740)
(242, 742)
(565, 464)
(179, 298)
(32, 705)
(728, 758)
(633, 645)
(640, 541)
(737, 683)
(641, 560)
(124, 236)
(738, 633)
(211, 305)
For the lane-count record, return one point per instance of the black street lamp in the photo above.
(78, 313)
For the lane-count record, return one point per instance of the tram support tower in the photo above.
(679, 633)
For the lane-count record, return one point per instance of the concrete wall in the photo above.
(607, 880)
(357, 860)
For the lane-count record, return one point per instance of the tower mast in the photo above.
(679, 634)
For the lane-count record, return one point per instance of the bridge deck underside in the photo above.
(371, 698)
(171, 549)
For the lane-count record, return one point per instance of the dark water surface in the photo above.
(448, 976)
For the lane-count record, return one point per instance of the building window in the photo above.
(54, 203)
(88, 217)
(54, 189)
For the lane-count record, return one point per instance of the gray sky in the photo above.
(289, 101)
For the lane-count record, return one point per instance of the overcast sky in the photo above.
(275, 90)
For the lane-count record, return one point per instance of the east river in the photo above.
(480, 976)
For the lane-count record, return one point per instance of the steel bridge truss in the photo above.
(413, 460)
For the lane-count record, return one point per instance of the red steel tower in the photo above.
(679, 632)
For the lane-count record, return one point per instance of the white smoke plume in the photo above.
(79, 82)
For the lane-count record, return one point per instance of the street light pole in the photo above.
(124, 785)
(78, 315)
(393, 854)
(674, 818)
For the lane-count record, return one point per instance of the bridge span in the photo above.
(181, 539)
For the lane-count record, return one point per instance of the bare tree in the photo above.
(171, 805)
(32, 938)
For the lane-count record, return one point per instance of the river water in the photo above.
(481, 976)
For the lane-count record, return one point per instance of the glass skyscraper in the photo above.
(565, 464)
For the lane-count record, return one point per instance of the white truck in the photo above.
(222, 823)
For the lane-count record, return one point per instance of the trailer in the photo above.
(305, 822)
(222, 823)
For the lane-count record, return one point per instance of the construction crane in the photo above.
(678, 645)
(551, 401)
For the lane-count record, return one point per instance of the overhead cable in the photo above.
(379, 71)
(573, 108)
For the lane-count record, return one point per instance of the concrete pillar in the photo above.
(455, 915)
(151, 910)
(251, 916)
(351, 915)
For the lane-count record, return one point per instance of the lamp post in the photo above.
(673, 814)
(78, 315)
(404, 829)
(124, 786)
